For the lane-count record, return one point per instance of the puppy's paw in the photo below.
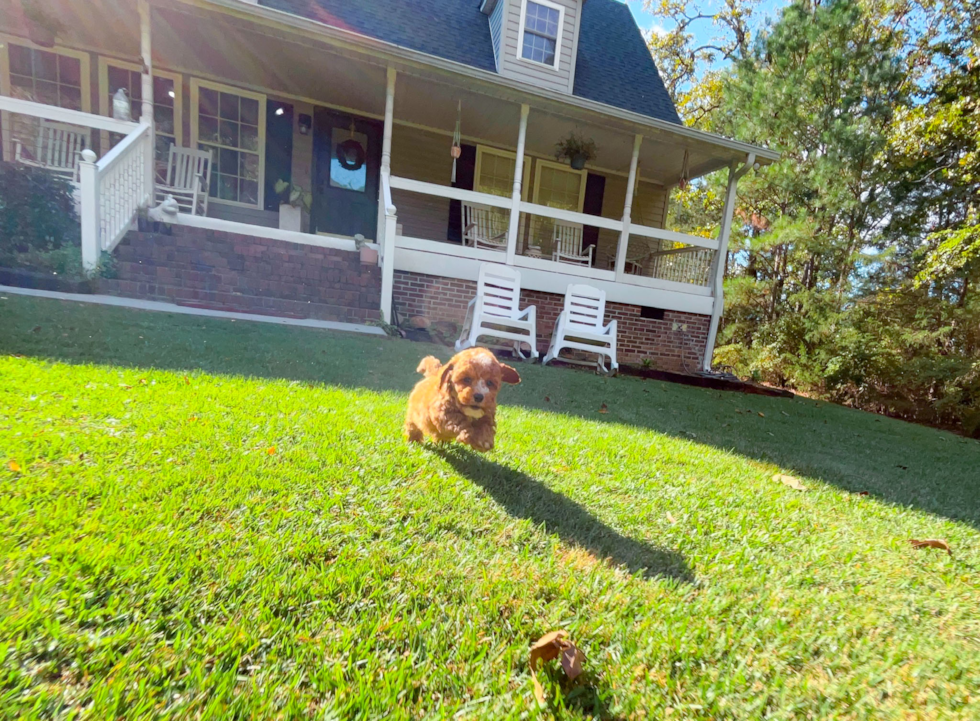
(476, 441)
(413, 435)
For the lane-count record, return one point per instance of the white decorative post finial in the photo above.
(89, 156)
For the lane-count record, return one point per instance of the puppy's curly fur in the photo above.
(458, 400)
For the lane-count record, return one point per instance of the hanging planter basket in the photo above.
(576, 149)
(578, 161)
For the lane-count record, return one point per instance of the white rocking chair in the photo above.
(57, 149)
(495, 312)
(579, 327)
(188, 179)
(567, 244)
(484, 227)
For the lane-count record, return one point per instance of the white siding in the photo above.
(511, 65)
(496, 30)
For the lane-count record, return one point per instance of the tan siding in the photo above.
(421, 155)
(513, 67)
(647, 210)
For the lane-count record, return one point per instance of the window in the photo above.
(495, 172)
(558, 186)
(167, 101)
(541, 28)
(231, 124)
(53, 77)
(45, 77)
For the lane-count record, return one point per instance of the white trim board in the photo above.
(261, 231)
(157, 306)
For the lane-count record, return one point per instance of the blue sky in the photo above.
(703, 30)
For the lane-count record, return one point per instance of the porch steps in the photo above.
(231, 272)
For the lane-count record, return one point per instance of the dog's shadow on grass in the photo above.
(524, 497)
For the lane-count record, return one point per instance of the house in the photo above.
(428, 127)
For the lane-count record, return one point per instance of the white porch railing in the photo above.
(113, 190)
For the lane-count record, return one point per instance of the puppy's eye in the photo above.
(491, 384)
(466, 381)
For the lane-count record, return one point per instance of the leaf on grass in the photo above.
(271, 450)
(36, 329)
(549, 647)
(187, 381)
(571, 661)
(142, 381)
(603, 408)
(790, 481)
(931, 543)
(547, 399)
(863, 493)
(14, 466)
(192, 419)
(761, 414)
(671, 518)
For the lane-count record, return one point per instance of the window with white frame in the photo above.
(231, 124)
(116, 74)
(45, 76)
(495, 172)
(556, 186)
(541, 28)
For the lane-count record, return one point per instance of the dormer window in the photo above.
(541, 26)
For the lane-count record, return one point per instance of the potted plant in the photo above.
(293, 200)
(42, 27)
(576, 149)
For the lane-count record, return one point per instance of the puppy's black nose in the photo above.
(478, 397)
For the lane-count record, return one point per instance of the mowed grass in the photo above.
(221, 520)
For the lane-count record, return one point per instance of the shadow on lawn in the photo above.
(525, 497)
(895, 462)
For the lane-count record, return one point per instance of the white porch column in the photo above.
(387, 220)
(624, 235)
(146, 111)
(721, 258)
(386, 149)
(88, 184)
(515, 207)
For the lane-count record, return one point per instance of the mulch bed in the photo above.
(20, 278)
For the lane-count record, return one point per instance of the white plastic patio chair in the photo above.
(484, 227)
(188, 179)
(495, 311)
(580, 327)
(57, 149)
(567, 244)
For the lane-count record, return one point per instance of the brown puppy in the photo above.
(458, 400)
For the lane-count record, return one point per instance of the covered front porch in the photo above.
(276, 98)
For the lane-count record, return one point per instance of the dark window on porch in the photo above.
(651, 313)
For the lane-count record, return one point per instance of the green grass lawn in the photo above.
(221, 520)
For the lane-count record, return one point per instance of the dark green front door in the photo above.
(347, 152)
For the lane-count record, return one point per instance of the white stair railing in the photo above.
(112, 192)
(387, 257)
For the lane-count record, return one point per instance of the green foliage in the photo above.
(856, 257)
(37, 212)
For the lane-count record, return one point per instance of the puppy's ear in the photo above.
(446, 372)
(509, 375)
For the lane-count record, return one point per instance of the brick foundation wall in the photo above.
(639, 338)
(227, 271)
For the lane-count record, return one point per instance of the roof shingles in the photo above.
(613, 67)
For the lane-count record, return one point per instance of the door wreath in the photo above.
(350, 154)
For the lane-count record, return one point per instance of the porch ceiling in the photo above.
(260, 55)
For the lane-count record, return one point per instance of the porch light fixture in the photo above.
(171, 93)
(279, 111)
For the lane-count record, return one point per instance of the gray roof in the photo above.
(613, 66)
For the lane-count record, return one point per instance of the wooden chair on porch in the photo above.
(484, 227)
(495, 311)
(580, 327)
(567, 245)
(57, 149)
(188, 179)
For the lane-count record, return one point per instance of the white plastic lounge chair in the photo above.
(188, 179)
(484, 227)
(580, 327)
(495, 312)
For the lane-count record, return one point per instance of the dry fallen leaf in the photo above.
(186, 381)
(603, 408)
(931, 543)
(571, 661)
(761, 414)
(671, 518)
(271, 450)
(547, 399)
(790, 481)
(548, 648)
(863, 493)
(14, 466)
